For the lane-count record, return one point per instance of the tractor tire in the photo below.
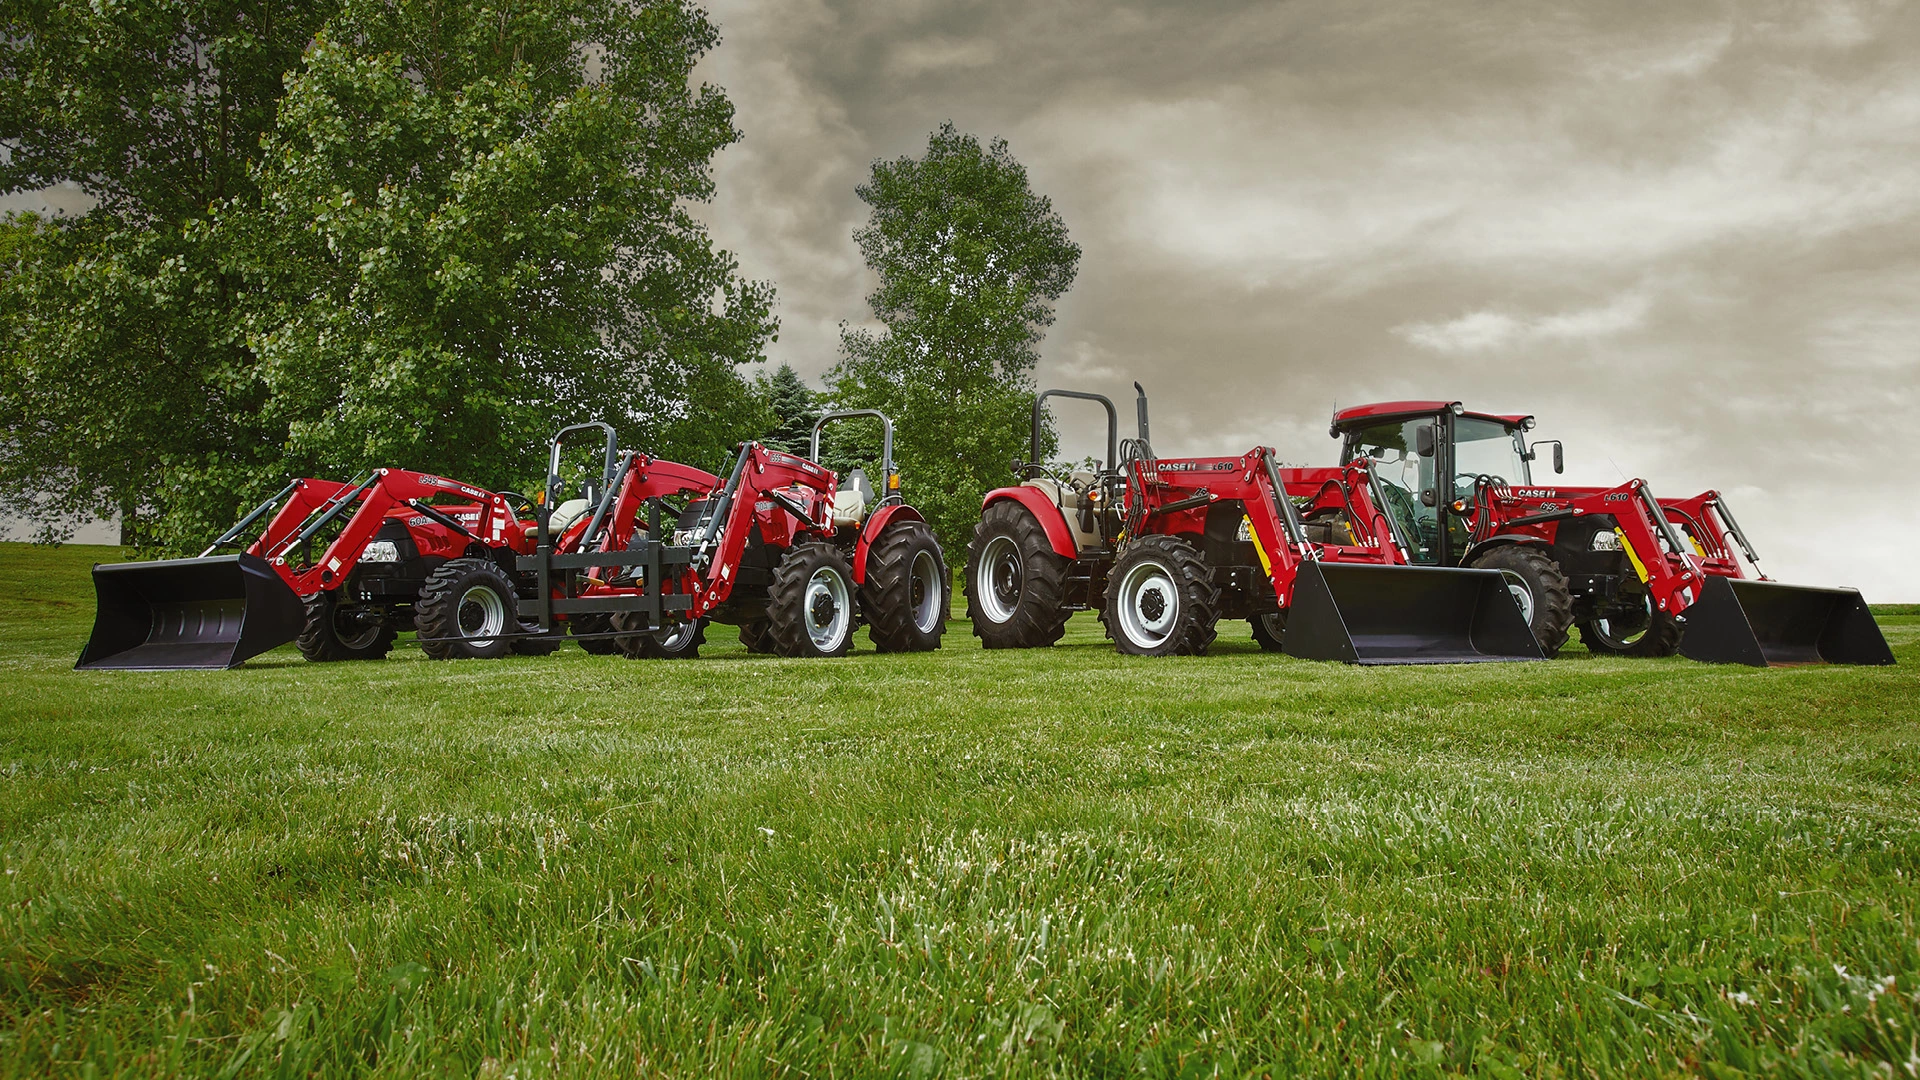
(810, 605)
(333, 633)
(464, 609)
(1270, 630)
(754, 636)
(680, 641)
(544, 645)
(594, 622)
(1016, 584)
(905, 594)
(1540, 587)
(1161, 599)
(1655, 633)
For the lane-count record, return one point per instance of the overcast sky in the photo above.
(1685, 236)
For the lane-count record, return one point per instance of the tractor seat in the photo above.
(850, 502)
(564, 517)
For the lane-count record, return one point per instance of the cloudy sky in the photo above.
(1685, 236)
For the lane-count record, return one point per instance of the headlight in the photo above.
(381, 551)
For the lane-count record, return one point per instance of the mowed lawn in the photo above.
(957, 864)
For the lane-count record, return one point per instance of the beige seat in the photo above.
(564, 517)
(850, 502)
(1070, 502)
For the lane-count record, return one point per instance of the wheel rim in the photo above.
(351, 633)
(483, 615)
(828, 610)
(1149, 605)
(1274, 623)
(1614, 631)
(925, 592)
(1522, 594)
(675, 639)
(998, 581)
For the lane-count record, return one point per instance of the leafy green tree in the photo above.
(794, 406)
(474, 228)
(970, 262)
(131, 389)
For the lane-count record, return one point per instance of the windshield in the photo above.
(1393, 449)
(1486, 448)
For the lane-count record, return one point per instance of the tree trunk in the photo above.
(129, 519)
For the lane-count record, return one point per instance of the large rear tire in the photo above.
(464, 609)
(1270, 630)
(810, 605)
(334, 631)
(1016, 584)
(1161, 600)
(905, 594)
(679, 641)
(1539, 587)
(594, 622)
(1629, 625)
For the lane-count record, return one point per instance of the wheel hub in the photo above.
(1000, 579)
(1149, 606)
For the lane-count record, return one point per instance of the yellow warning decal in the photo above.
(1259, 548)
(1632, 555)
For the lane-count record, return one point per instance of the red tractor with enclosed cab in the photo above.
(1638, 576)
(1165, 547)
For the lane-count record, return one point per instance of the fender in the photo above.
(877, 523)
(1501, 540)
(1050, 516)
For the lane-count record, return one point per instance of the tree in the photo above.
(795, 407)
(461, 227)
(131, 388)
(970, 261)
(474, 229)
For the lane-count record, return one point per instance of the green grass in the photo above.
(962, 863)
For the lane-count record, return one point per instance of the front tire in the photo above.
(905, 594)
(754, 636)
(334, 632)
(1270, 631)
(1161, 600)
(810, 605)
(1016, 584)
(465, 608)
(1539, 587)
(594, 622)
(1630, 626)
(677, 641)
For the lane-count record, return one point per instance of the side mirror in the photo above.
(1429, 498)
(1423, 442)
(1559, 459)
(1016, 466)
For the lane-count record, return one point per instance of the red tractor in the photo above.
(1164, 548)
(339, 568)
(783, 549)
(1637, 575)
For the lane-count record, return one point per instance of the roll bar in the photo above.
(1113, 423)
(886, 445)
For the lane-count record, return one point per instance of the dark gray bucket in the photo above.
(189, 613)
(1767, 624)
(1367, 614)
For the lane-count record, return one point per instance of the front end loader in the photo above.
(339, 569)
(793, 555)
(1637, 575)
(1164, 548)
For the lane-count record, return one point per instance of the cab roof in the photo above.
(1354, 415)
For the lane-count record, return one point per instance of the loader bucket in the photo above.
(1765, 623)
(189, 613)
(1370, 614)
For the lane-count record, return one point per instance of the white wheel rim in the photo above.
(676, 639)
(483, 615)
(1631, 638)
(925, 591)
(1149, 605)
(1274, 623)
(1522, 595)
(999, 579)
(829, 611)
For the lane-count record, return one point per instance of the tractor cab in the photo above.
(1429, 455)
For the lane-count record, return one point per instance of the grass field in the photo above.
(953, 864)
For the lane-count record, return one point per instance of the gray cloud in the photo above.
(1687, 237)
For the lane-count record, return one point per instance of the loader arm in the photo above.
(366, 508)
(722, 533)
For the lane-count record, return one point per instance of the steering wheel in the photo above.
(518, 502)
(1034, 470)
